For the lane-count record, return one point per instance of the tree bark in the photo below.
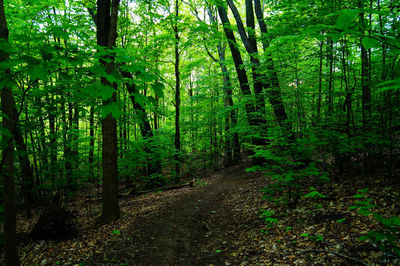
(271, 85)
(91, 142)
(26, 169)
(239, 66)
(7, 163)
(232, 145)
(177, 97)
(365, 76)
(107, 15)
(154, 164)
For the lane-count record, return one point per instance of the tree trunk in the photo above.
(68, 150)
(365, 77)
(154, 164)
(91, 142)
(321, 45)
(177, 98)
(107, 15)
(271, 85)
(232, 145)
(239, 66)
(26, 169)
(53, 140)
(7, 162)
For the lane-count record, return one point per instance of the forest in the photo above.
(200, 132)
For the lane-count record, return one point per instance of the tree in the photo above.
(177, 142)
(7, 160)
(107, 15)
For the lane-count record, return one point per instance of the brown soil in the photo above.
(195, 228)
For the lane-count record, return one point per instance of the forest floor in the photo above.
(217, 222)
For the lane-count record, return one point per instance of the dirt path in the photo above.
(199, 227)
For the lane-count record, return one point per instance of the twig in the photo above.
(334, 253)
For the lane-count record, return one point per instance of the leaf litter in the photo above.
(219, 224)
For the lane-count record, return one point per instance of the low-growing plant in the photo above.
(267, 215)
(387, 239)
(200, 183)
(315, 238)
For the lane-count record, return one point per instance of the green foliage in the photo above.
(267, 215)
(388, 237)
(116, 232)
(200, 183)
(315, 238)
(154, 181)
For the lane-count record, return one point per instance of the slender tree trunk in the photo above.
(7, 161)
(321, 45)
(68, 153)
(330, 84)
(91, 142)
(43, 139)
(177, 97)
(52, 140)
(154, 163)
(271, 85)
(107, 15)
(232, 145)
(365, 77)
(26, 169)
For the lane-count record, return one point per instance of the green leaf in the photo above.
(111, 108)
(368, 43)
(218, 251)
(396, 221)
(39, 72)
(389, 85)
(158, 88)
(314, 194)
(345, 20)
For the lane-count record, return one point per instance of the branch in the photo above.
(194, 10)
(209, 53)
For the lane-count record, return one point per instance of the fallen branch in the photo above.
(334, 253)
(132, 191)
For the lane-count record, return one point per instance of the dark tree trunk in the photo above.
(321, 45)
(91, 142)
(232, 145)
(53, 140)
(26, 170)
(7, 160)
(239, 66)
(177, 98)
(43, 152)
(68, 160)
(154, 164)
(330, 84)
(255, 65)
(107, 15)
(271, 85)
(365, 77)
